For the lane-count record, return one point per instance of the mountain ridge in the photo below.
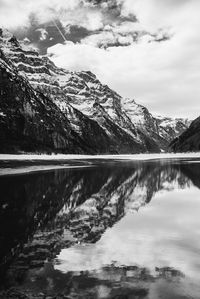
(98, 119)
(189, 140)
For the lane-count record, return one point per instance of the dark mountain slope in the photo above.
(30, 121)
(189, 141)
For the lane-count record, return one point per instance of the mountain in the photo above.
(189, 141)
(79, 114)
(24, 120)
(161, 129)
(31, 121)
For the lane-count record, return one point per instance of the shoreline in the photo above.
(61, 157)
(25, 163)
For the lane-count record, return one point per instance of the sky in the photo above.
(143, 49)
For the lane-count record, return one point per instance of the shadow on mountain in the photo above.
(192, 171)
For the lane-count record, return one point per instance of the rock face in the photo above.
(161, 129)
(25, 116)
(62, 111)
(31, 121)
(170, 128)
(189, 141)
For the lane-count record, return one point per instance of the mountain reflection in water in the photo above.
(97, 233)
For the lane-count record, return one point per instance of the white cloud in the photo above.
(85, 16)
(124, 33)
(163, 76)
(127, 27)
(43, 33)
(105, 38)
(16, 12)
(154, 14)
(77, 57)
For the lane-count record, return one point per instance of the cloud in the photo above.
(43, 33)
(107, 39)
(71, 12)
(154, 14)
(163, 76)
(77, 19)
(123, 34)
(17, 12)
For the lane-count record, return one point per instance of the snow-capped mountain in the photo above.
(161, 129)
(170, 128)
(26, 116)
(97, 117)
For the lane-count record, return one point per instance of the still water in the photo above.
(118, 230)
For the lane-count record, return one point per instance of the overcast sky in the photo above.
(148, 50)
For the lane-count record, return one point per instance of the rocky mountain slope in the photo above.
(26, 116)
(31, 121)
(98, 120)
(189, 141)
(161, 129)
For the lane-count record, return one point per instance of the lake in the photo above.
(113, 229)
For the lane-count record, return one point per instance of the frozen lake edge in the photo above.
(59, 157)
(26, 163)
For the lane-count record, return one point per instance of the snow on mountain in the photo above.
(33, 122)
(24, 123)
(170, 128)
(95, 112)
(161, 129)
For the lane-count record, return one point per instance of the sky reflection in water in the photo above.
(131, 230)
(165, 233)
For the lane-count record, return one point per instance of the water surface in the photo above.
(113, 230)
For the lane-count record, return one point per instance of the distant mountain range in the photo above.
(44, 108)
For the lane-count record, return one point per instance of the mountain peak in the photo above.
(98, 115)
(4, 33)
